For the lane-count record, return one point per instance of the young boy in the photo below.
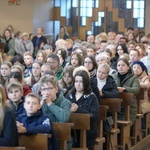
(28, 60)
(15, 96)
(33, 121)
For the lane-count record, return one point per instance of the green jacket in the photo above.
(59, 110)
(11, 46)
(131, 84)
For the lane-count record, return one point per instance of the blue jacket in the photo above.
(19, 109)
(9, 134)
(38, 123)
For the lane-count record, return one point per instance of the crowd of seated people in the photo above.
(45, 84)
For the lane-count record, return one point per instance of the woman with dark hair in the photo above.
(84, 101)
(8, 129)
(63, 34)
(121, 48)
(127, 82)
(62, 54)
(91, 65)
(9, 49)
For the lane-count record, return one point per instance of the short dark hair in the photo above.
(54, 56)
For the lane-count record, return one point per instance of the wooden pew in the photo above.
(124, 125)
(63, 133)
(82, 123)
(36, 141)
(2, 46)
(12, 148)
(114, 107)
(102, 116)
(136, 128)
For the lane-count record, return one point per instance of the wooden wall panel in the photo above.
(82, 32)
(57, 13)
(121, 25)
(115, 14)
(109, 5)
(88, 23)
(95, 14)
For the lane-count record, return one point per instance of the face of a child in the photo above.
(28, 60)
(31, 105)
(90, 52)
(67, 78)
(40, 57)
(74, 61)
(5, 70)
(15, 94)
(49, 91)
(36, 70)
(79, 84)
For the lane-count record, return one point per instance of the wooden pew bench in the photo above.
(100, 139)
(63, 133)
(12, 148)
(137, 128)
(114, 107)
(34, 142)
(82, 123)
(125, 125)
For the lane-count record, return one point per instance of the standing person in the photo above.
(52, 101)
(84, 101)
(8, 129)
(127, 82)
(9, 50)
(37, 40)
(18, 41)
(63, 34)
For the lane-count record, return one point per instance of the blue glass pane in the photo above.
(83, 21)
(128, 4)
(89, 3)
(97, 4)
(141, 13)
(89, 12)
(140, 23)
(57, 3)
(75, 3)
(89, 32)
(63, 8)
(135, 13)
(82, 11)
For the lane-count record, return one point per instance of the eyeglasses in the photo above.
(47, 89)
(88, 62)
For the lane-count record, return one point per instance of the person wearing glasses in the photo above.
(52, 101)
(55, 66)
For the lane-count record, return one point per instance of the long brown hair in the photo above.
(2, 106)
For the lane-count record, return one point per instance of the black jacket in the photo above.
(110, 88)
(88, 104)
(9, 134)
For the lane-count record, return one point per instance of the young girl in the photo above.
(8, 129)
(84, 101)
(67, 79)
(41, 56)
(76, 59)
(36, 74)
(5, 71)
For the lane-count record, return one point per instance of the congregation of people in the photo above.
(41, 82)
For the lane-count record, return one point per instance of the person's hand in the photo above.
(100, 93)
(74, 107)
(46, 99)
(20, 127)
(120, 89)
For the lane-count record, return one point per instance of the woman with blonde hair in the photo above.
(8, 129)
(63, 34)
(41, 56)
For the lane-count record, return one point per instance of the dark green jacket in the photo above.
(131, 84)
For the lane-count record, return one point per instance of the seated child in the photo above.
(33, 121)
(28, 60)
(16, 99)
